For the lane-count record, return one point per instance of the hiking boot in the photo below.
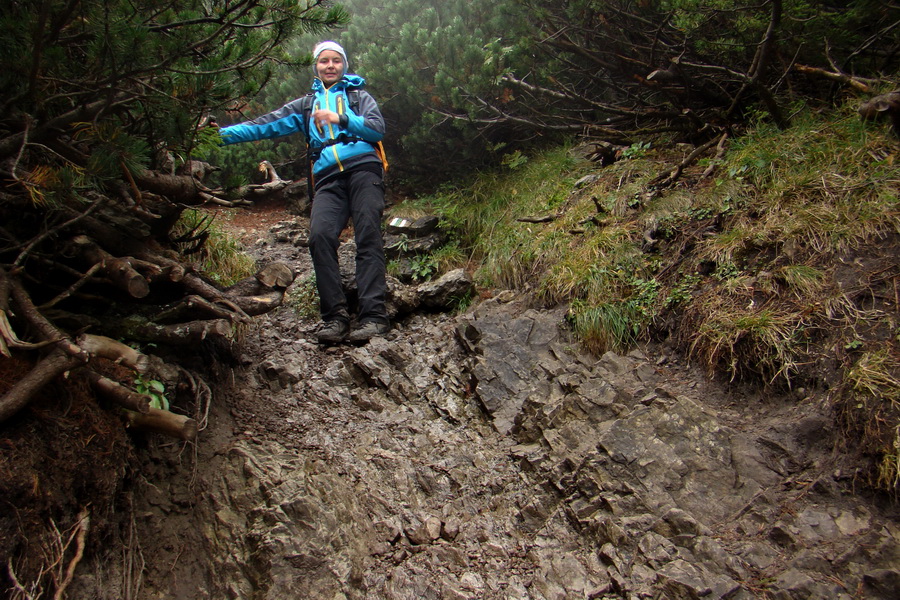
(333, 332)
(366, 331)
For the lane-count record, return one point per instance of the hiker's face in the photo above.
(329, 66)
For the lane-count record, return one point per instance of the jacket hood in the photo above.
(348, 81)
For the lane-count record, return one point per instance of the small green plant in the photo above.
(423, 267)
(394, 267)
(153, 388)
(700, 213)
(726, 271)
(303, 297)
(459, 304)
(514, 160)
(401, 245)
(682, 292)
(636, 150)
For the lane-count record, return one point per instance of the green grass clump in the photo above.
(217, 254)
(303, 298)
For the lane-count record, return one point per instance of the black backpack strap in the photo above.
(353, 99)
(306, 109)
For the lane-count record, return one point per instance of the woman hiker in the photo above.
(343, 126)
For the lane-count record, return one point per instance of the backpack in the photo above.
(311, 157)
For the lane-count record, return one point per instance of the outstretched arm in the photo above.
(286, 120)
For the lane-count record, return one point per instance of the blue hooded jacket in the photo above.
(360, 131)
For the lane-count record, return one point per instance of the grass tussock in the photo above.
(217, 255)
(773, 269)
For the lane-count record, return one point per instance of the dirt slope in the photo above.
(443, 463)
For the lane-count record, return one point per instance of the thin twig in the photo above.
(37, 240)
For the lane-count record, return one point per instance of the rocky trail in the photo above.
(482, 456)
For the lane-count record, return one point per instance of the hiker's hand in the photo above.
(323, 117)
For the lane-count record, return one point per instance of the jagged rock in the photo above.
(883, 583)
(447, 291)
(485, 456)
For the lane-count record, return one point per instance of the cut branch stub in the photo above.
(164, 422)
(104, 347)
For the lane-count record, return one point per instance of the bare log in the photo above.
(181, 188)
(115, 392)
(54, 364)
(104, 347)
(182, 334)
(260, 304)
(119, 270)
(164, 422)
(210, 292)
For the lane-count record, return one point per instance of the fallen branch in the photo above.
(543, 219)
(192, 307)
(670, 177)
(182, 334)
(211, 293)
(720, 154)
(854, 82)
(45, 329)
(164, 422)
(68, 292)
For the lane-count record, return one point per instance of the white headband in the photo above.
(330, 46)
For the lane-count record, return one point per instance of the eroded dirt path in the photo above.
(483, 456)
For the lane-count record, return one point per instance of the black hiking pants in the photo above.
(358, 195)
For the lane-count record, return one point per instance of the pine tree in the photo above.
(153, 70)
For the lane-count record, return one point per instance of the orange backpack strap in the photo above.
(379, 150)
